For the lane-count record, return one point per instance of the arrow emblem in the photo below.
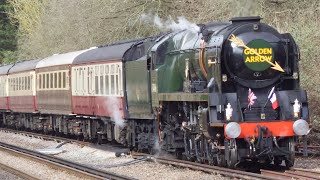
(240, 43)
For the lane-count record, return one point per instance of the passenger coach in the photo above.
(22, 87)
(4, 104)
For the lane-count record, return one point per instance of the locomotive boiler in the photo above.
(223, 95)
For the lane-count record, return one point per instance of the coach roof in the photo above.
(24, 66)
(109, 52)
(4, 69)
(60, 59)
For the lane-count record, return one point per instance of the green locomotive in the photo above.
(212, 96)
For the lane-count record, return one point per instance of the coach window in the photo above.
(101, 80)
(112, 79)
(64, 80)
(12, 84)
(117, 80)
(23, 85)
(18, 80)
(120, 81)
(79, 80)
(59, 79)
(17, 84)
(75, 75)
(89, 80)
(55, 80)
(47, 81)
(40, 81)
(29, 83)
(107, 80)
(84, 82)
(51, 80)
(43, 81)
(26, 83)
(96, 80)
(20, 83)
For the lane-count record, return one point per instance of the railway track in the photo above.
(204, 168)
(293, 173)
(45, 136)
(61, 164)
(17, 172)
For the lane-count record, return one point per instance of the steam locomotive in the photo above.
(224, 95)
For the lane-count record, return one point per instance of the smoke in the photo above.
(169, 24)
(113, 105)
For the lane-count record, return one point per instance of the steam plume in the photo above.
(114, 110)
(169, 24)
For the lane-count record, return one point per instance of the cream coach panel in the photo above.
(21, 84)
(53, 80)
(4, 85)
(97, 80)
(33, 82)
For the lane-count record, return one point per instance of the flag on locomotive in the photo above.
(251, 98)
(273, 98)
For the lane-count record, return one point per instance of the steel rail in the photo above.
(75, 168)
(290, 174)
(207, 168)
(45, 136)
(17, 172)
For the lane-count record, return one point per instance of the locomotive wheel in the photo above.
(277, 161)
(291, 158)
(233, 154)
(221, 160)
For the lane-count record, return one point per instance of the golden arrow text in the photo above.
(240, 43)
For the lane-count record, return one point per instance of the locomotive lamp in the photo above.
(229, 112)
(224, 78)
(301, 127)
(233, 130)
(295, 75)
(296, 108)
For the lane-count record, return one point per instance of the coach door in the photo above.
(91, 88)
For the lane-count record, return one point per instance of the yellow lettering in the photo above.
(268, 50)
(261, 51)
(257, 59)
(268, 58)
